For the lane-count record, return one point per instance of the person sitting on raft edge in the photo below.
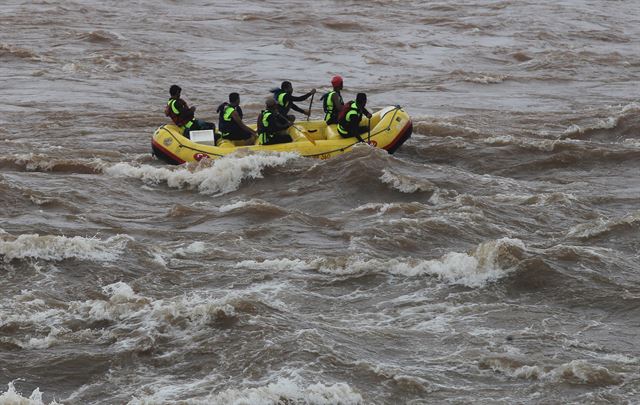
(230, 122)
(182, 115)
(284, 99)
(272, 127)
(332, 102)
(350, 117)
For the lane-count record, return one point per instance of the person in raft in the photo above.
(182, 115)
(284, 99)
(332, 101)
(230, 123)
(272, 127)
(350, 117)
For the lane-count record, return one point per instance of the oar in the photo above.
(369, 133)
(303, 132)
(310, 104)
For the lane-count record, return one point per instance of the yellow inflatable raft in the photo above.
(390, 128)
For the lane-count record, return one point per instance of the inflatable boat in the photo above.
(389, 129)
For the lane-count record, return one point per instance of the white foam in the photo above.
(50, 247)
(576, 372)
(282, 391)
(193, 249)
(13, 397)
(486, 79)
(605, 123)
(490, 261)
(275, 264)
(601, 226)
(243, 204)
(223, 176)
(404, 184)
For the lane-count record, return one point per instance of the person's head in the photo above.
(270, 104)
(286, 86)
(175, 90)
(336, 82)
(234, 98)
(361, 100)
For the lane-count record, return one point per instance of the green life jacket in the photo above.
(263, 127)
(330, 110)
(226, 123)
(283, 107)
(351, 115)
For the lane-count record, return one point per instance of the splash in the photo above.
(221, 177)
(284, 391)
(13, 397)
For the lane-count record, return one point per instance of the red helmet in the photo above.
(336, 81)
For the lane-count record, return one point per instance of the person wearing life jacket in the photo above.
(230, 122)
(332, 101)
(182, 115)
(284, 99)
(272, 127)
(177, 109)
(350, 117)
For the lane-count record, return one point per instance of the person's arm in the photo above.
(279, 122)
(303, 97)
(366, 112)
(298, 109)
(353, 126)
(235, 117)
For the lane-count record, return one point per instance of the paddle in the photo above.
(302, 131)
(310, 104)
(369, 133)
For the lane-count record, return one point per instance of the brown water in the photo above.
(492, 259)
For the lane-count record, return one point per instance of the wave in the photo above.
(217, 177)
(479, 78)
(13, 397)
(7, 50)
(345, 25)
(444, 128)
(101, 36)
(624, 119)
(33, 162)
(283, 391)
(387, 208)
(489, 262)
(254, 206)
(57, 248)
(575, 372)
(405, 184)
(604, 227)
(140, 320)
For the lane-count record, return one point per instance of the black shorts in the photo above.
(278, 138)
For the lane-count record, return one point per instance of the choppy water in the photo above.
(492, 259)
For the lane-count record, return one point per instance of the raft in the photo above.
(390, 128)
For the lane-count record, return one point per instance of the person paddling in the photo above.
(332, 101)
(230, 122)
(182, 115)
(350, 117)
(284, 99)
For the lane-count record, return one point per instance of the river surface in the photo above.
(493, 259)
